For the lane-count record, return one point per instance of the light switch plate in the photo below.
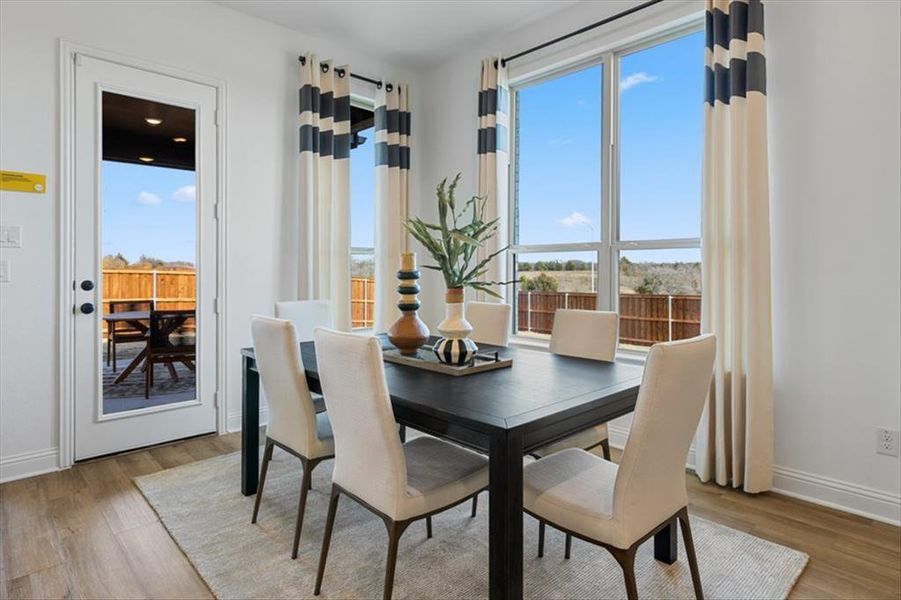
(10, 236)
(4, 271)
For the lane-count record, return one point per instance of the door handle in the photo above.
(87, 285)
(87, 308)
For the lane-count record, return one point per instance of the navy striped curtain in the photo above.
(324, 231)
(494, 162)
(392, 182)
(734, 445)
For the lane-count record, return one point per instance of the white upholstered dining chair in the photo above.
(306, 315)
(294, 426)
(619, 507)
(491, 322)
(399, 482)
(588, 334)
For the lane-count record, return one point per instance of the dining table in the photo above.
(503, 413)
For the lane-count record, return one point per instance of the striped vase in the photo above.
(455, 347)
(408, 333)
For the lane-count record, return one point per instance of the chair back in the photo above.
(121, 306)
(369, 457)
(491, 322)
(306, 315)
(172, 329)
(650, 483)
(292, 419)
(585, 334)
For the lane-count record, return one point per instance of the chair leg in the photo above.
(569, 546)
(114, 352)
(395, 530)
(475, 505)
(267, 456)
(541, 528)
(327, 538)
(690, 551)
(148, 381)
(302, 503)
(605, 446)
(626, 560)
(428, 527)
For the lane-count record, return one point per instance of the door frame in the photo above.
(68, 55)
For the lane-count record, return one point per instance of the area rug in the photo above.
(201, 506)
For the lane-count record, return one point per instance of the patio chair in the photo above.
(171, 339)
(123, 332)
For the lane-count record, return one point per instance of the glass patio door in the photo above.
(145, 258)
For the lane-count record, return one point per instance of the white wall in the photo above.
(258, 61)
(834, 148)
(835, 131)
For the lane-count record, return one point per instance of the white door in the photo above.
(145, 258)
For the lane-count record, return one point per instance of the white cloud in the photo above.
(148, 199)
(574, 219)
(636, 79)
(560, 141)
(185, 193)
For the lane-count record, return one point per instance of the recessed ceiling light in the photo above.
(180, 140)
(153, 121)
(145, 158)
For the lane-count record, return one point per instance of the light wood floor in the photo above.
(87, 532)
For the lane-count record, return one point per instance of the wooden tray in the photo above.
(427, 360)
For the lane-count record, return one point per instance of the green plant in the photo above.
(542, 283)
(453, 246)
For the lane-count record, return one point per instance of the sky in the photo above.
(150, 210)
(660, 149)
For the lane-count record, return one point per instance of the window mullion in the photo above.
(606, 296)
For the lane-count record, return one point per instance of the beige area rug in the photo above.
(202, 507)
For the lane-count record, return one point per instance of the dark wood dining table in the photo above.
(504, 413)
(138, 320)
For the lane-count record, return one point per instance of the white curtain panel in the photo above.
(734, 445)
(392, 190)
(494, 161)
(325, 186)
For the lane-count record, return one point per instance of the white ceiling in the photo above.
(405, 33)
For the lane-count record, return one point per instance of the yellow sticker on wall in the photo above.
(23, 182)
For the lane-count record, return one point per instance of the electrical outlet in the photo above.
(887, 441)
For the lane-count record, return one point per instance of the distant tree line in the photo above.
(556, 265)
(144, 262)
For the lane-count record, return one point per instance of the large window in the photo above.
(607, 191)
(362, 217)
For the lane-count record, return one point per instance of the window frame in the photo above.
(609, 247)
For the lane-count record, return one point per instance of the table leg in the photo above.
(250, 427)
(505, 516)
(131, 366)
(666, 544)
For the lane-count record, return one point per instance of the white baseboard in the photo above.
(841, 495)
(234, 419)
(28, 464)
(817, 489)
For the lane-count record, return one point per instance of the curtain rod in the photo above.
(609, 19)
(341, 72)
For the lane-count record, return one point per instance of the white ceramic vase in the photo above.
(455, 347)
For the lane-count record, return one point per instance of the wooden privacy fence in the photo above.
(168, 289)
(644, 320)
(362, 301)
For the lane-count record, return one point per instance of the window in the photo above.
(607, 191)
(362, 217)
